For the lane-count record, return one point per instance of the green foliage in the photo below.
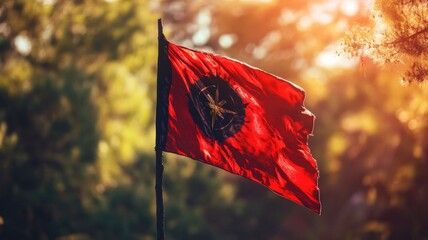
(74, 107)
(48, 151)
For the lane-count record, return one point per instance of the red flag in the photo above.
(239, 118)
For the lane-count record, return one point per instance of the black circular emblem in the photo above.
(216, 108)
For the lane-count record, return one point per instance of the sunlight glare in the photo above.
(227, 40)
(201, 36)
(256, 1)
(287, 17)
(259, 52)
(349, 7)
(330, 59)
(323, 13)
(379, 29)
(304, 23)
(47, 2)
(203, 18)
(23, 44)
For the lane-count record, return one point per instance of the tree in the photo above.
(74, 109)
(398, 35)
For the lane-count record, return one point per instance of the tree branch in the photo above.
(425, 30)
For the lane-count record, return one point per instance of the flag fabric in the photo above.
(228, 114)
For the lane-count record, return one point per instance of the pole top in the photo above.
(161, 36)
(160, 28)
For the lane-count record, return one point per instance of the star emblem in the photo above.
(217, 109)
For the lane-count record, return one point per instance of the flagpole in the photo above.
(160, 222)
(160, 136)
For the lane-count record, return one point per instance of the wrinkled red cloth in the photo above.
(271, 144)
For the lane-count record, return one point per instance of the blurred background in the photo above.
(77, 120)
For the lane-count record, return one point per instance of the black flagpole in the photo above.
(160, 222)
(161, 117)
